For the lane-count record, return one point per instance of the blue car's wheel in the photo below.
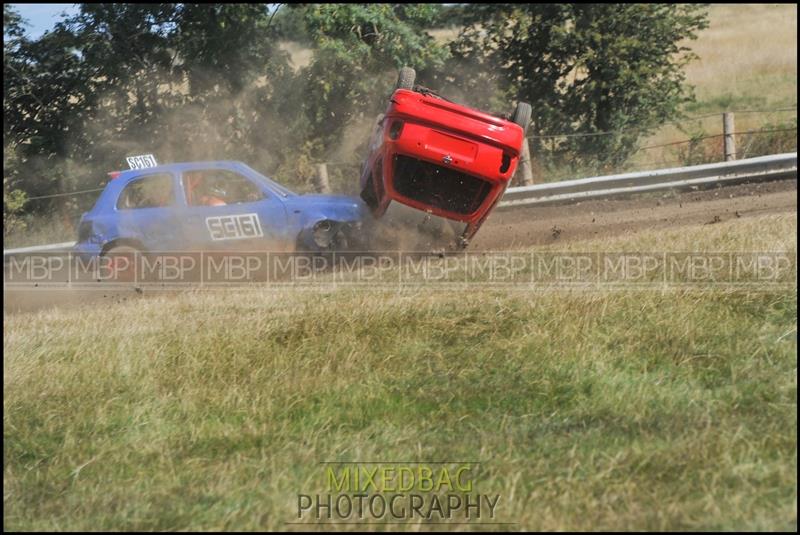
(122, 263)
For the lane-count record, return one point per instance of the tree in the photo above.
(210, 81)
(359, 48)
(615, 70)
(14, 78)
(185, 81)
(40, 96)
(14, 198)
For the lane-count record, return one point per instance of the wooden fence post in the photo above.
(322, 185)
(525, 169)
(728, 130)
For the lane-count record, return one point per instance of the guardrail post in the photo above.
(728, 130)
(322, 185)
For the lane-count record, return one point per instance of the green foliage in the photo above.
(189, 86)
(584, 67)
(299, 168)
(288, 23)
(359, 49)
(13, 203)
(198, 81)
(209, 81)
(700, 149)
(13, 199)
(772, 138)
(184, 81)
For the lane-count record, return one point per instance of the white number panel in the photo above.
(142, 162)
(234, 227)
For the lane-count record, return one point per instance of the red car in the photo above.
(440, 157)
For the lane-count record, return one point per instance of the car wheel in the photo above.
(368, 194)
(340, 242)
(522, 116)
(328, 235)
(122, 263)
(405, 80)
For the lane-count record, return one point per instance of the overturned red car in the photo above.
(440, 157)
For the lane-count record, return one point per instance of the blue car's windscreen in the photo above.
(286, 192)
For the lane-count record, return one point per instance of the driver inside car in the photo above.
(197, 191)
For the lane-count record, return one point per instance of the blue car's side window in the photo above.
(151, 191)
(219, 187)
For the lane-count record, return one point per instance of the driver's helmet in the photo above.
(216, 188)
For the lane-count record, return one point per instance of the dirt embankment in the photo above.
(522, 227)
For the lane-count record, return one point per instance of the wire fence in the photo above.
(641, 166)
(67, 194)
(771, 132)
(713, 136)
(640, 130)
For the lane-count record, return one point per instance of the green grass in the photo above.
(601, 410)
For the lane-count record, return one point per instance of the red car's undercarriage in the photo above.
(442, 158)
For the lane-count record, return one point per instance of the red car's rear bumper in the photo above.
(443, 158)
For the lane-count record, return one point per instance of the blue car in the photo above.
(217, 205)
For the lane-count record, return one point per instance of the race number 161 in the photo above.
(141, 162)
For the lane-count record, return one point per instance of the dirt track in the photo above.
(522, 227)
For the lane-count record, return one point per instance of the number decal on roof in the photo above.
(234, 227)
(141, 162)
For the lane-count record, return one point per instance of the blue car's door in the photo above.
(146, 211)
(225, 209)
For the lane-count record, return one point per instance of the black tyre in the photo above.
(522, 116)
(328, 235)
(405, 80)
(368, 194)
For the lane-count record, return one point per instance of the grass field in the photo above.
(601, 409)
(747, 61)
(748, 58)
